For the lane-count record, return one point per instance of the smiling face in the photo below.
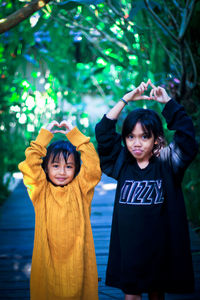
(61, 172)
(140, 145)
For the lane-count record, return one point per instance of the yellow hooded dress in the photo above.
(63, 261)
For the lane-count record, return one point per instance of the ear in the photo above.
(156, 142)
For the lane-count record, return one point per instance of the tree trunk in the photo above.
(21, 14)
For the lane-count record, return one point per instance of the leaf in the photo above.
(30, 59)
(69, 5)
(138, 5)
(81, 2)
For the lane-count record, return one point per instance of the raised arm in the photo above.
(110, 149)
(90, 172)
(183, 149)
(33, 173)
(136, 94)
(109, 145)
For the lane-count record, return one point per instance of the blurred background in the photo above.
(74, 59)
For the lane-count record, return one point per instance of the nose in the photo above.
(137, 142)
(62, 170)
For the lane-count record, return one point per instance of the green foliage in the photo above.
(74, 60)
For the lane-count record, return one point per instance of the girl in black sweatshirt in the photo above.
(149, 246)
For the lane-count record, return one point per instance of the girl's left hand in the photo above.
(67, 125)
(159, 94)
(51, 125)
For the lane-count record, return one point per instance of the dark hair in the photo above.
(151, 124)
(65, 148)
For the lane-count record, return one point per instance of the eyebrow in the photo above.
(142, 133)
(57, 162)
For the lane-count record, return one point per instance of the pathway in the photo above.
(16, 242)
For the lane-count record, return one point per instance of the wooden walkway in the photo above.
(16, 242)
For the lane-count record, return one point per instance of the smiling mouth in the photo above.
(61, 179)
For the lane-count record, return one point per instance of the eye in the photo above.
(145, 137)
(55, 166)
(130, 136)
(69, 167)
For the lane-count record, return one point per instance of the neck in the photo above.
(143, 164)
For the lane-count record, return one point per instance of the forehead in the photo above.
(139, 128)
(61, 159)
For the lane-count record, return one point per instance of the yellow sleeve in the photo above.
(90, 172)
(33, 173)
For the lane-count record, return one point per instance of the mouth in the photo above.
(137, 151)
(61, 179)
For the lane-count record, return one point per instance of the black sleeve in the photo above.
(183, 148)
(109, 145)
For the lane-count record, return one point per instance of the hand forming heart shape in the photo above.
(64, 124)
(157, 93)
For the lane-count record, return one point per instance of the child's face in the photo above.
(139, 144)
(61, 173)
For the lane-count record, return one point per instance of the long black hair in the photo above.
(65, 148)
(151, 124)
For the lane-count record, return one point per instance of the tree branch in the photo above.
(193, 65)
(173, 19)
(21, 14)
(90, 37)
(186, 18)
(163, 25)
(177, 4)
(183, 70)
(120, 44)
(170, 54)
(117, 12)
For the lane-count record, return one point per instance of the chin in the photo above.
(63, 184)
(58, 183)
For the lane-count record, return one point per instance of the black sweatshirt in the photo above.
(149, 245)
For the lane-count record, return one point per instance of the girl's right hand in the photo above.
(159, 94)
(50, 126)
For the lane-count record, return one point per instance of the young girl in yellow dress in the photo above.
(61, 190)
